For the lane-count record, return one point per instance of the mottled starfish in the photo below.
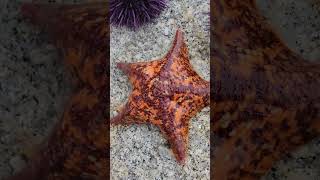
(166, 93)
(265, 98)
(78, 146)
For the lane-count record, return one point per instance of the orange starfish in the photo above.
(166, 93)
(265, 99)
(78, 146)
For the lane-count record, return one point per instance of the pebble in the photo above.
(17, 163)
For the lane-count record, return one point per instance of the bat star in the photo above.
(166, 93)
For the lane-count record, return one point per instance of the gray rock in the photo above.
(17, 163)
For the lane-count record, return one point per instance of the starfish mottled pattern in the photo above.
(166, 93)
(77, 148)
(265, 99)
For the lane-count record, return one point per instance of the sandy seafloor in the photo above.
(31, 77)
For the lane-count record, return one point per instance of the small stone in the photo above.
(17, 163)
(164, 152)
(166, 31)
(40, 56)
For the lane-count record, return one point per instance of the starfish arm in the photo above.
(265, 98)
(175, 127)
(173, 121)
(182, 78)
(178, 140)
(177, 52)
(177, 72)
(138, 110)
(197, 89)
(121, 116)
(178, 45)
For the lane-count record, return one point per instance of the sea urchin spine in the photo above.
(135, 13)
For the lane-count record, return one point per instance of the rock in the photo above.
(17, 163)
(164, 152)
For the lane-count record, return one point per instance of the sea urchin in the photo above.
(134, 13)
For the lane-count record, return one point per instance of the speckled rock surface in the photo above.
(141, 151)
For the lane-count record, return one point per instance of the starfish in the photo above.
(265, 99)
(166, 93)
(77, 148)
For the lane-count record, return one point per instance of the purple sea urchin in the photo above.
(134, 13)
